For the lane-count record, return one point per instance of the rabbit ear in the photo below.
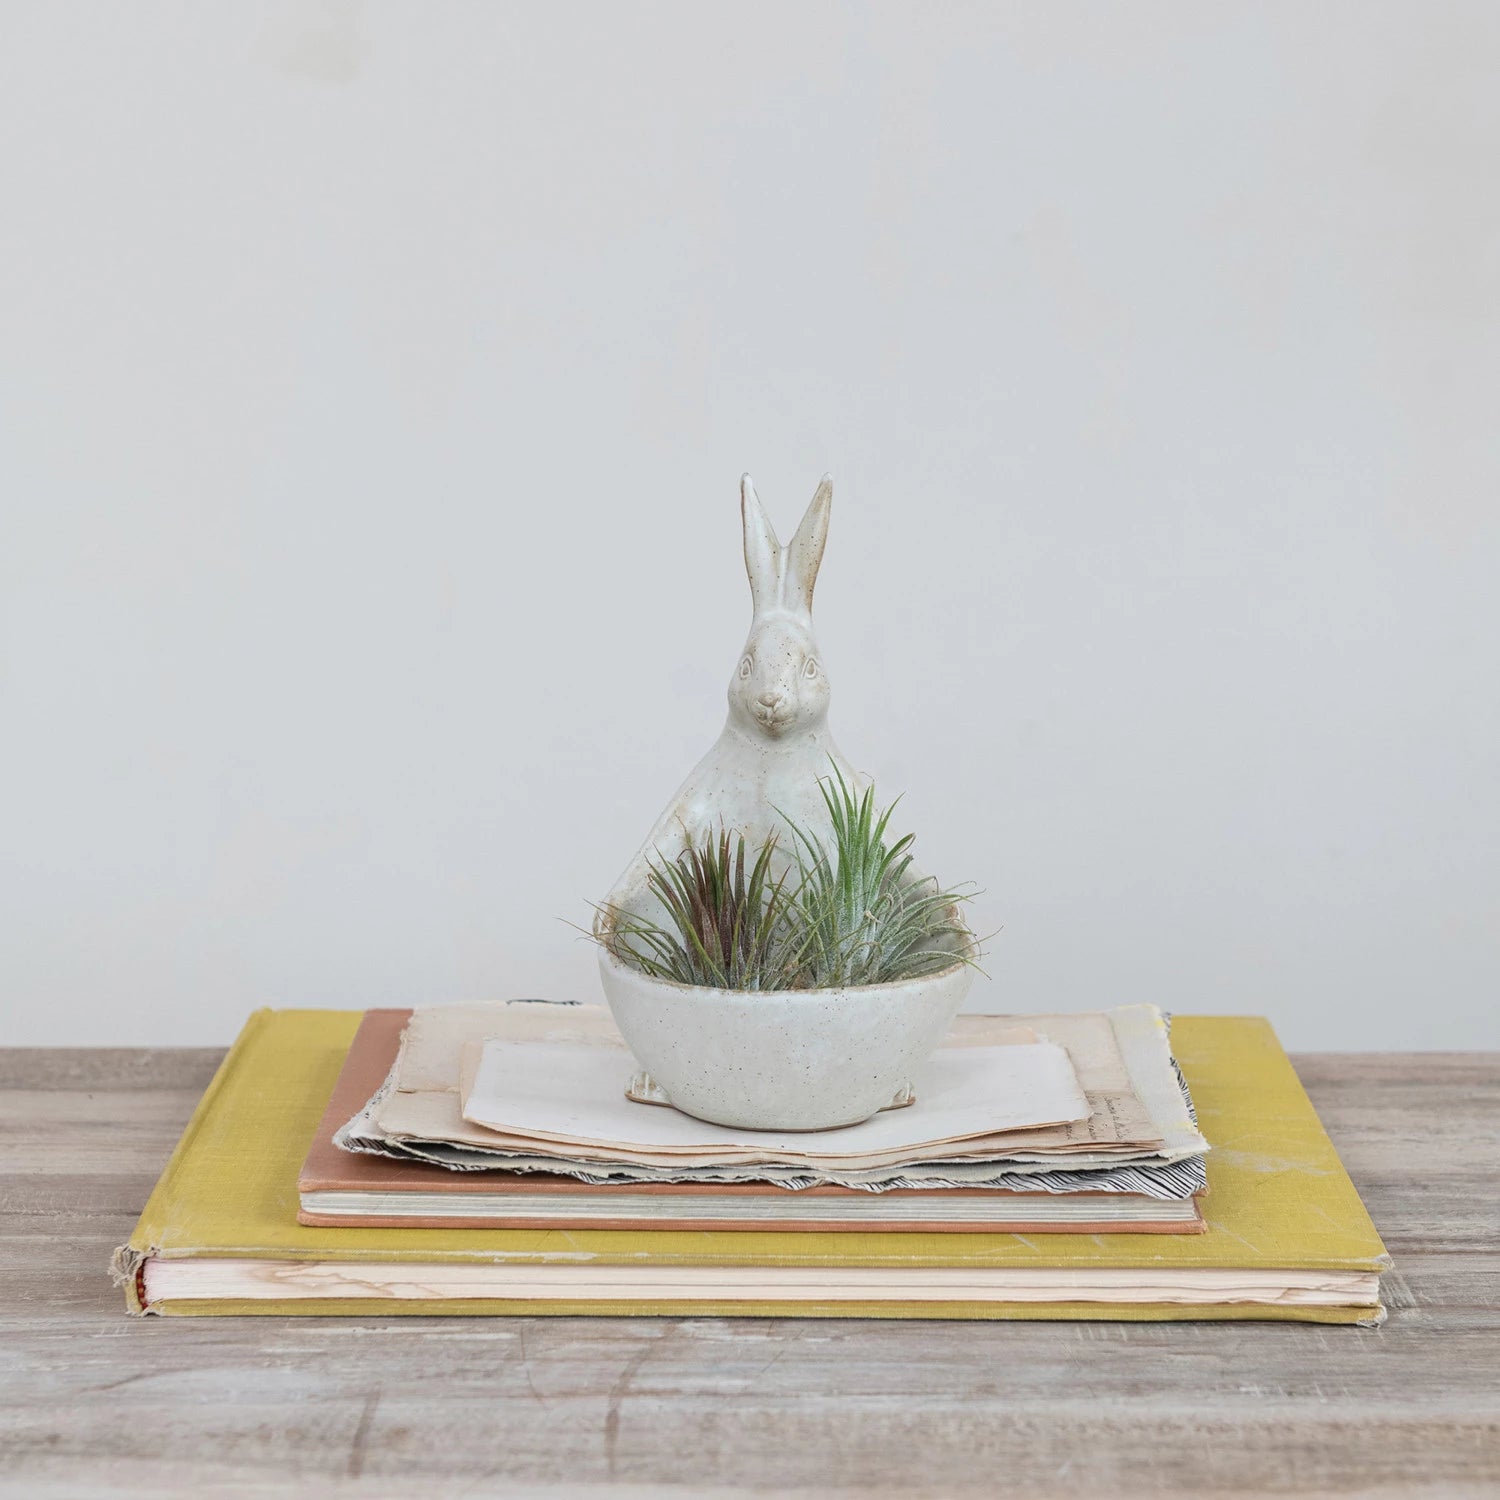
(762, 550)
(805, 551)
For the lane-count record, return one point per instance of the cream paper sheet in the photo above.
(569, 1099)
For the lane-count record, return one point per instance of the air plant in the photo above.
(866, 918)
(729, 930)
(850, 914)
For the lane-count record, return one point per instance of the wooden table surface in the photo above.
(94, 1404)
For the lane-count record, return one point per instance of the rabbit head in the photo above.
(779, 688)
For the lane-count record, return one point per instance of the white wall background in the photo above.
(375, 382)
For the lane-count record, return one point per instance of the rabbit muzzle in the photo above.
(772, 712)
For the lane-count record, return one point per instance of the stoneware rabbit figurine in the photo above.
(791, 1059)
(775, 744)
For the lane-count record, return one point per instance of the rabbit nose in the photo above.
(770, 700)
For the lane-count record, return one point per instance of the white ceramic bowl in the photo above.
(787, 1059)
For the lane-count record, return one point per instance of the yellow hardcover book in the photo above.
(1287, 1238)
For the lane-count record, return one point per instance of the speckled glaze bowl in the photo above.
(784, 1060)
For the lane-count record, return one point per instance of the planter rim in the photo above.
(604, 932)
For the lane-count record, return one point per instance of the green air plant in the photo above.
(728, 929)
(865, 918)
(849, 913)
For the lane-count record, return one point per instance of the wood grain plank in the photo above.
(117, 1070)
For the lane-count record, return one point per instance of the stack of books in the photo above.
(508, 1158)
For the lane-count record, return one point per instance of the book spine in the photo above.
(127, 1264)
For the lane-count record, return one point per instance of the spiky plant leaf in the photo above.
(726, 928)
(865, 918)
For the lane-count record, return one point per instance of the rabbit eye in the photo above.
(811, 669)
(744, 666)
